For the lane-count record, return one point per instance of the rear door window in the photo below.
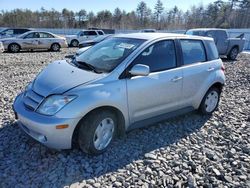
(193, 51)
(46, 35)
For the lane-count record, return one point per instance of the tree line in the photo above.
(222, 14)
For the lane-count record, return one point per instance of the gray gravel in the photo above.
(187, 151)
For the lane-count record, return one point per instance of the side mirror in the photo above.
(140, 70)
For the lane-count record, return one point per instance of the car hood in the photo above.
(60, 76)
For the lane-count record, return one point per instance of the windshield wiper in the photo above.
(88, 66)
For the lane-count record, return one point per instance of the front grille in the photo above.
(32, 100)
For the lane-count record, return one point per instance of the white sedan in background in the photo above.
(1, 47)
(34, 40)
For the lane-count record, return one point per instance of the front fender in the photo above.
(90, 97)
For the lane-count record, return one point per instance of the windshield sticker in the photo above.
(125, 45)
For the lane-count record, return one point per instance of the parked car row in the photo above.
(29, 40)
(14, 40)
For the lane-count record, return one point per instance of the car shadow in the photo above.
(28, 161)
(69, 56)
(225, 60)
(30, 51)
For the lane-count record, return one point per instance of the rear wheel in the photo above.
(55, 47)
(14, 48)
(74, 43)
(233, 53)
(210, 101)
(97, 131)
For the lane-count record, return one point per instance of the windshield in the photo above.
(106, 55)
(3, 31)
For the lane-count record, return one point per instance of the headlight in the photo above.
(28, 87)
(54, 103)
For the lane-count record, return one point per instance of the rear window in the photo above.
(212, 52)
(193, 51)
(196, 32)
(100, 32)
(90, 33)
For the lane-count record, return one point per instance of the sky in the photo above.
(95, 5)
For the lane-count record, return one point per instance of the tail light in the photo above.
(222, 68)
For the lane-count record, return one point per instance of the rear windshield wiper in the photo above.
(88, 66)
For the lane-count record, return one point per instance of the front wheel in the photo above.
(14, 48)
(210, 101)
(97, 131)
(74, 43)
(233, 53)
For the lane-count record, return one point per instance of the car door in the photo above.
(92, 35)
(222, 42)
(46, 40)
(196, 69)
(31, 41)
(160, 91)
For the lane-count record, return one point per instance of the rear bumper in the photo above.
(43, 128)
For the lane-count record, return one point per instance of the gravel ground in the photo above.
(187, 151)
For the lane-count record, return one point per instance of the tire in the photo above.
(233, 53)
(210, 101)
(55, 47)
(97, 131)
(14, 48)
(74, 43)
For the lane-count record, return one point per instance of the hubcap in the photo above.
(55, 47)
(211, 101)
(75, 43)
(103, 133)
(14, 48)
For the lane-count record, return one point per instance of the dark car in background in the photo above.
(13, 32)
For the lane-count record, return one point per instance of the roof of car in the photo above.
(153, 36)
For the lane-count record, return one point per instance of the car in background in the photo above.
(74, 40)
(34, 40)
(1, 47)
(125, 82)
(87, 44)
(226, 46)
(94, 41)
(12, 32)
(148, 31)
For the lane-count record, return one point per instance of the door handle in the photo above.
(176, 79)
(210, 69)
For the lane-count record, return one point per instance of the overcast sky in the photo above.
(95, 5)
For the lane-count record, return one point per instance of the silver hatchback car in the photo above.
(122, 83)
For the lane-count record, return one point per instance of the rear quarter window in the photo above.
(192, 51)
(212, 52)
